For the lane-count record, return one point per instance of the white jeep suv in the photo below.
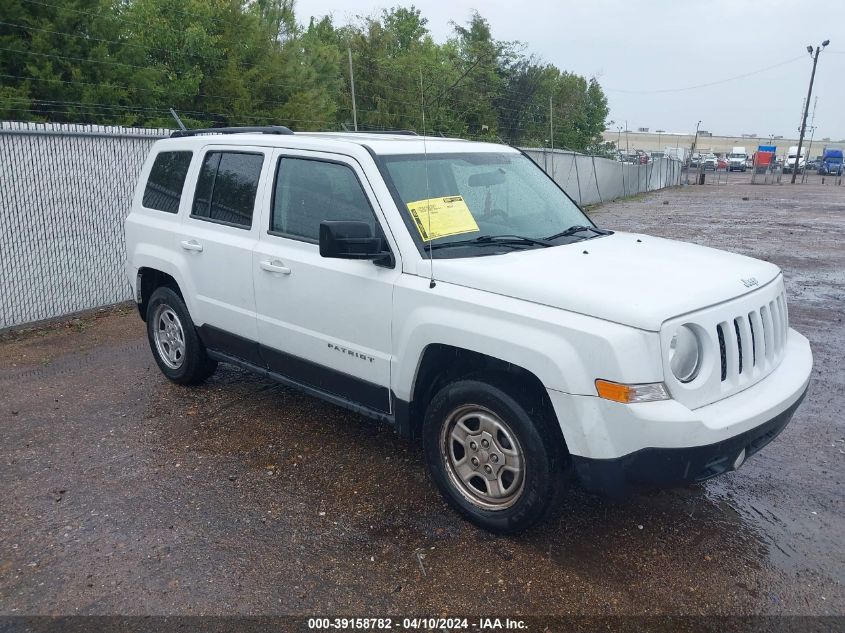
(454, 291)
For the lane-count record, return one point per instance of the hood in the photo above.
(626, 278)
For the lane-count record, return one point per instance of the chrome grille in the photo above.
(752, 340)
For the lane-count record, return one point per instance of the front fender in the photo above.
(566, 351)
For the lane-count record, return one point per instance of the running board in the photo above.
(340, 401)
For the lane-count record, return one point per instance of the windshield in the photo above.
(736, 155)
(463, 196)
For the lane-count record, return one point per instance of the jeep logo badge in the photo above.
(750, 282)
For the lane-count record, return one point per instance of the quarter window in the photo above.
(309, 191)
(167, 177)
(226, 187)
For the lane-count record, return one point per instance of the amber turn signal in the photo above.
(630, 394)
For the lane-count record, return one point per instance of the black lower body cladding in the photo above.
(672, 467)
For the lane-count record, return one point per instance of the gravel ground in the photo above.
(124, 494)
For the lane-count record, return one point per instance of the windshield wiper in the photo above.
(506, 240)
(578, 228)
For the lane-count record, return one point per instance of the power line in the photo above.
(147, 49)
(160, 91)
(711, 83)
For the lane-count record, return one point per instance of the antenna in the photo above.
(178, 120)
(431, 283)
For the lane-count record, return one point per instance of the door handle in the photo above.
(192, 245)
(274, 266)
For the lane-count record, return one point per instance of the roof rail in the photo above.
(397, 132)
(265, 129)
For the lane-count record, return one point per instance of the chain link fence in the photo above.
(65, 191)
(594, 179)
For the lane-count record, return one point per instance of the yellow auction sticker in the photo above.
(441, 217)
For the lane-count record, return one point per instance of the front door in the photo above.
(324, 323)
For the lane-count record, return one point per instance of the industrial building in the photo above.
(652, 140)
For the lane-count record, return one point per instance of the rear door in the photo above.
(217, 239)
(324, 323)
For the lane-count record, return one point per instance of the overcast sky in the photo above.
(668, 45)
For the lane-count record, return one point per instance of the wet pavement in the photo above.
(124, 494)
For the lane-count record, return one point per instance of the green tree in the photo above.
(250, 62)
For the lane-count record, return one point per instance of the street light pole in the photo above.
(807, 107)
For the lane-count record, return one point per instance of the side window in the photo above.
(226, 187)
(167, 177)
(310, 191)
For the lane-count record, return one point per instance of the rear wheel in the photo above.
(499, 466)
(177, 349)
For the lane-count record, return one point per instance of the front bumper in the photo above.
(664, 443)
(669, 467)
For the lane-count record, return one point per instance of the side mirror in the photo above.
(342, 239)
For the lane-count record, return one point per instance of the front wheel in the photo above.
(499, 466)
(177, 349)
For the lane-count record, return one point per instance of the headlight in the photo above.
(685, 354)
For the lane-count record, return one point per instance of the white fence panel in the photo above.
(64, 193)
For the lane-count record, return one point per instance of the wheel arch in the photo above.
(153, 266)
(440, 364)
(148, 280)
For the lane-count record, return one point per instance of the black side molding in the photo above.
(340, 401)
(318, 380)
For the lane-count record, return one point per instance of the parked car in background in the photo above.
(721, 163)
(813, 164)
(695, 160)
(711, 162)
(307, 259)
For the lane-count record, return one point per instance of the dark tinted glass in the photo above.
(205, 182)
(226, 187)
(310, 191)
(167, 177)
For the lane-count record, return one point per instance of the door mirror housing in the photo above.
(347, 239)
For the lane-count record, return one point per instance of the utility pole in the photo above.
(627, 148)
(660, 166)
(352, 87)
(807, 107)
(812, 135)
(692, 149)
(552, 135)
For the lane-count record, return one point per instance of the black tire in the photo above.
(190, 367)
(537, 434)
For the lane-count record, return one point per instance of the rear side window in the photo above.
(310, 191)
(226, 187)
(167, 177)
